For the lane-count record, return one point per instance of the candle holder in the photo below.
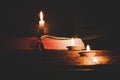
(87, 53)
(74, 48)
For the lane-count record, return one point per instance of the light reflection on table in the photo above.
(93, 60)
(74, 58)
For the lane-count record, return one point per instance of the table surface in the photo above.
(29, 63)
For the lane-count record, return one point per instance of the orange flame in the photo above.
(41, 22)
(72, 42)
(88, 48)
(41, 15)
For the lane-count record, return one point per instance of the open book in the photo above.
(60, 43)
(30, 43)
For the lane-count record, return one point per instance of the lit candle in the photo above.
(73, 46)
(88, 48)
(89, 53)
(72, 42)
(41, 23)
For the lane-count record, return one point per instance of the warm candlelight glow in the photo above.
(87, 48)
(72, 42)
(41, 23)
(95, 60)
(74, 45)
(88, 52)
(41, 16)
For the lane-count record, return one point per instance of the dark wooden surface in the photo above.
(29, 64)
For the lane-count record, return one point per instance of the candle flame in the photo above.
(41, 16)
(88, 48)
(72, 42)
(41, 23)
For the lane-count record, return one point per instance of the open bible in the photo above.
(60, 43)
(30, 43)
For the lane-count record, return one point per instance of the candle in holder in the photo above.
(88, 52)
(73, 47)
(41, 24)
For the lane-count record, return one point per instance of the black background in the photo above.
(96, 22)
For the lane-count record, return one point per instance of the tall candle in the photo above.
(41, 24)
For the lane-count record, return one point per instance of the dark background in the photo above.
(96, 22)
